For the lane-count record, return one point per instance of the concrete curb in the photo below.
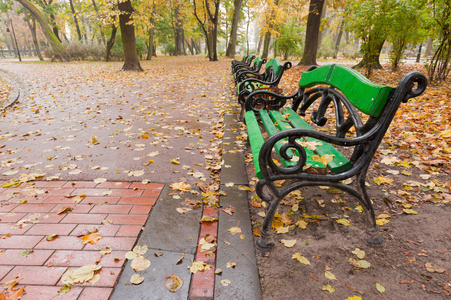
(18, 91)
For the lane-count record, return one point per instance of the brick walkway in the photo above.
(125, 204)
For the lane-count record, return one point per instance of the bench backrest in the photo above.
(274, 63)
(365, 95)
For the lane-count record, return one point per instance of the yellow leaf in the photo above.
(328, 287)
(329, 275)
(380, 288)
(92, 238)
(199, 266)
(283, 229)
(80, 275)
(144, 136)
(173, 283)
(359, 264)
(433, 268)
(288, 243)
(79, 198)
(344, 222)
(354, 298)
(359, 253)
(383, 180)
(234, 230)
(410, 211)
(140, 249)
(325, 159)
(180, 186)
(226, 282)
(94, 140)
(382, 222)
(301, 224)
(297, 256)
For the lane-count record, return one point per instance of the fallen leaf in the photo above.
(434, 268)
(297, 256)
(92, 238)
(207, 218)
(329, 275)
(64, 289)
(51, 237)
(140, 263)
(180, 186)
(173, 283)
(234, 230)
(344, 222)
(26, 252)
(64, 209)
(288, 243)
(410, 211)
(283, 229)
(359, 253)
(100, 180)
(328, 287)
(380, 288)
(359, 264)
(226, 282)
(136, 279)
(83, 274)
(229, 210)
(301, 224)
(198, 266)
(79, 198)
(383, 180)
(183, 210)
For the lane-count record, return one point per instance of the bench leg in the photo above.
(266, 227)
(373, 232)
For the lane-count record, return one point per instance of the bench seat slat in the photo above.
(339, 163)
(271, 129)
(255, 138)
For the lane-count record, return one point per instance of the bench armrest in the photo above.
(266, 99)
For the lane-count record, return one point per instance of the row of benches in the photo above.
(286, 147)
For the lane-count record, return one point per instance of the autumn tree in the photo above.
(207, 14)
(58, 48)
(272, 17)
(439, 67)
(128, 36)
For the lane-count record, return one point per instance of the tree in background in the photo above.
(58, 48)
(231, 47)
(128, 36)
(439, 66)
(208, 20)
(312, 32)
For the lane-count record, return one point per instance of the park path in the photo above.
(109, 145)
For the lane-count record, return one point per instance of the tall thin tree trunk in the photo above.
(32, 25)
(75, 20)
(110, 43)
(233, 33)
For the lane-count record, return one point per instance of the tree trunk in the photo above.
(338, 40)
(266, 45)
(178, 31)
(75, 20)
(370, 59)
(56, 45)
(428, 50)
(110, 42)
(233, 33)
(312, 32)
(259, 46)
(32, 25)
(128, 37)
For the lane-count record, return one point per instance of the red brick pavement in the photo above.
(126, 204)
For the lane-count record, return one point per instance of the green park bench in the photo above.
(248, 82)
(254, 69)
(247, 60)
(286, 147)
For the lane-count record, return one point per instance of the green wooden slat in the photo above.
(339, 163)
(271, 129)
(255, 137)
(277, 117)
(365, 95)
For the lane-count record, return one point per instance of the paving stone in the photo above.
(153, 285)
(103, 230)
(27, 275)
(44, 292)
(67, 258)
(46, 229)
(94, 293)
(62, 242)
(36, 258)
